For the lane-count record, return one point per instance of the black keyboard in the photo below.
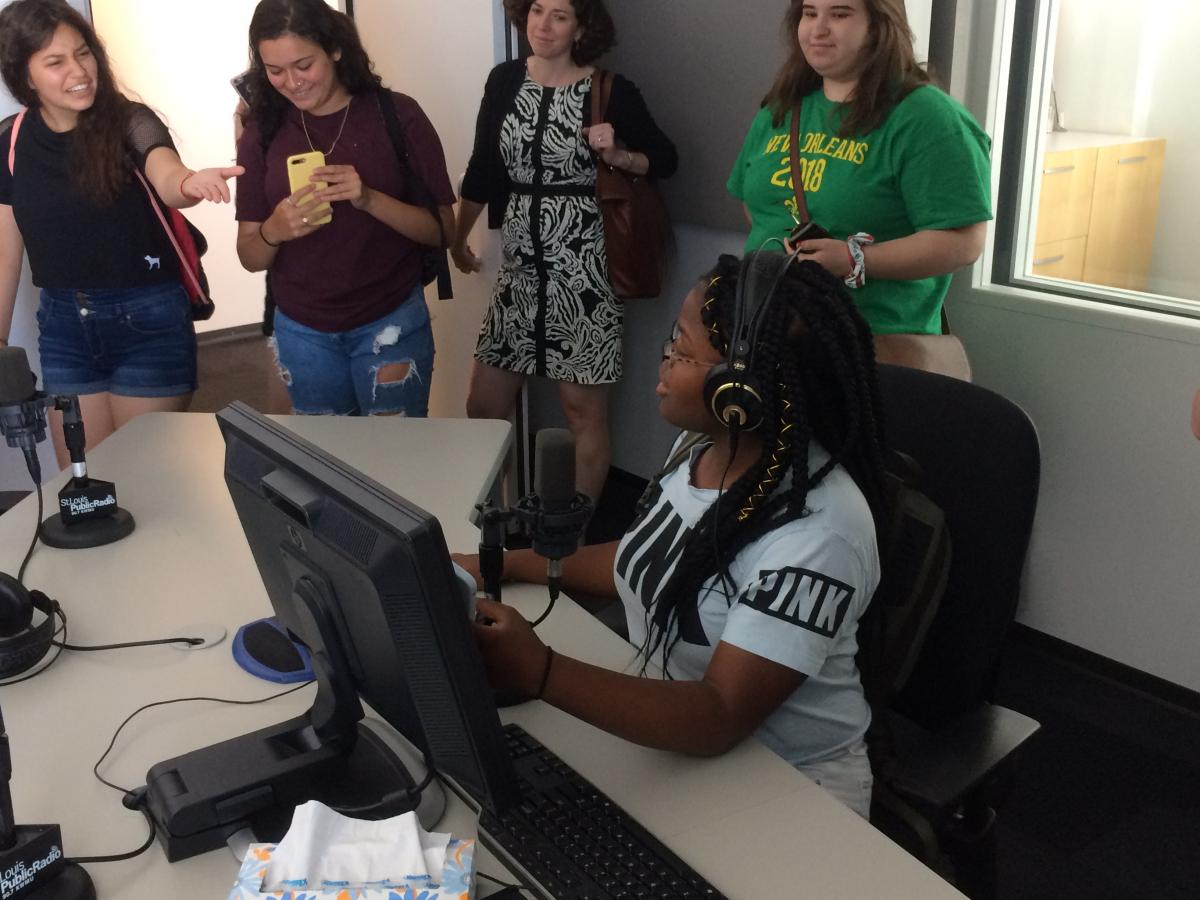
(574, 843)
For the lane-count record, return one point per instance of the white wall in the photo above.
(1096, 64)
(440, 55)
(187, 82)
(1113, 565)
(1165, 108)
(13, 474)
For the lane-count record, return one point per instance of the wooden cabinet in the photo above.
(1098, 209)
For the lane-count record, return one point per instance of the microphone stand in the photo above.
(554, 534)
(493, 524)
(89, 515)
(32, 865)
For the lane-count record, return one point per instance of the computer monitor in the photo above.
(362, 578)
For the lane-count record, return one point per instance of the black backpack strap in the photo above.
(415, 185)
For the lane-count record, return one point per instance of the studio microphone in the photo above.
(555, 513)
(22, 407)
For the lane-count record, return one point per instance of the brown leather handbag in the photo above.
(637, 229)
(941, 353)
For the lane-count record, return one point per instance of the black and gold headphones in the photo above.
(731, 390)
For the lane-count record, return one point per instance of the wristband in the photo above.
(184, 179)
(858, 261)
(545, 673)
(264, 237)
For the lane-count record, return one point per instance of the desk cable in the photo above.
(134, 798)
(62, 644)
(37, 530)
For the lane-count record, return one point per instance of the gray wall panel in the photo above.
(703, 67)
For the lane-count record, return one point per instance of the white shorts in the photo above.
(847, 777)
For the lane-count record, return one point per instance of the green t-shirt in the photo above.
(926, 167)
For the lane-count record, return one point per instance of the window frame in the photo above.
(1029, 51)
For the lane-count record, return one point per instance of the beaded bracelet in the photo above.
(858, 270)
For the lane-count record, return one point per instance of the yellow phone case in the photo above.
(300, 167)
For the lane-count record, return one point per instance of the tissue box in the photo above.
(457, 880)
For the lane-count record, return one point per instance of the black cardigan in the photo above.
(486, 180)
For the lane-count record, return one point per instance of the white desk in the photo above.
(747, 821)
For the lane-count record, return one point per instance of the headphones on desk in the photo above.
(731, 390)
(23, 644)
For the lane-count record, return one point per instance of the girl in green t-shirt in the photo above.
(883, 153)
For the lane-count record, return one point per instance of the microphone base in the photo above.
(88, 533)
(36, 862)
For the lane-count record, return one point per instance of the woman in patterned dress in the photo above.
(553, 313)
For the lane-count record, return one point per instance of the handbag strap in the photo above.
(602, 80)
(12, 140)
(797, 177)
(189, 276)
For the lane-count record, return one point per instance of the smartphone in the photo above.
(807, 231)
(300, 167)
(241, 84)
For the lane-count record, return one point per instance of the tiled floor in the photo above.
(239, 368)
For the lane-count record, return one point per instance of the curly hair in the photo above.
(316, 21)
(599, 32)
(98, 162)
(891, 72)
(814, 361)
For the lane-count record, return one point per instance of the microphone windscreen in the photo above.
(554, 465)
(17, 381)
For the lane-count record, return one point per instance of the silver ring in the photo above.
(304, 219)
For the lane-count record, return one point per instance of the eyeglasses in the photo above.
(669, 352)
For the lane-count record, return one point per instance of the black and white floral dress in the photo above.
(553, 312)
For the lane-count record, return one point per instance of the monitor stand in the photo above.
(256, 780)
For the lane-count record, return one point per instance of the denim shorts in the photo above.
(135, 342)
(381, 368)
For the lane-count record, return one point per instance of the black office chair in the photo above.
(979, 462)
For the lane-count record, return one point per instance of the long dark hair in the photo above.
(892, 71)
(98, 161)
(599, 32)
(815, 364)
(316, 21)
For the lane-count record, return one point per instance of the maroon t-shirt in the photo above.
(355, 269)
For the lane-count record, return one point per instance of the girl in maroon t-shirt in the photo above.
(351, 326)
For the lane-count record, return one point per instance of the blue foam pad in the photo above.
(264, 649)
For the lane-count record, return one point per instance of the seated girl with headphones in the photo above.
(751, 561)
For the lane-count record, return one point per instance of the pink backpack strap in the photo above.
(12, 140)
(192, 282)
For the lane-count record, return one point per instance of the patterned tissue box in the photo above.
(457, 881)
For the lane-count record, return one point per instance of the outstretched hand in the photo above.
(209, 184)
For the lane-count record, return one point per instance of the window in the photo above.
(1100, 188)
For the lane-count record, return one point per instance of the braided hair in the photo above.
(814, 361)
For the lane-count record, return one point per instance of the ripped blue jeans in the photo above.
(381, 368)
